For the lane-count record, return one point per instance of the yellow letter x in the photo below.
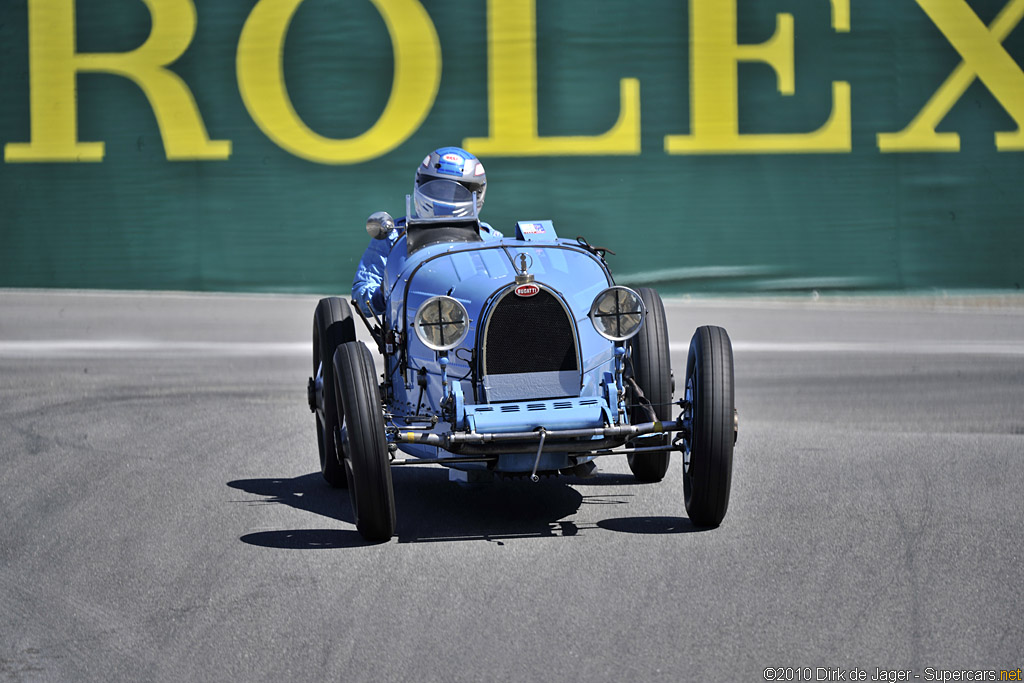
(984, 58)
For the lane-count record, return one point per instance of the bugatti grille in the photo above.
(529, 334)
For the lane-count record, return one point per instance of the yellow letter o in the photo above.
(417, 55)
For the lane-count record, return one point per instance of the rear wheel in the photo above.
(652, 371)
(367, 464)
(332, 326)
(707, 469)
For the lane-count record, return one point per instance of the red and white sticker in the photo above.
(532, 228)
(527, 290)
(454, 158)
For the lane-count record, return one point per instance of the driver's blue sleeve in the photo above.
(370, 274)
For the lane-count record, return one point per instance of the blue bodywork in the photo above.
(433, 399)
(509, 356)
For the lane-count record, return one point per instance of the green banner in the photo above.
(714, 145)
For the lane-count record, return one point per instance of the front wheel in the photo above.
(707, 467)
(367, 465)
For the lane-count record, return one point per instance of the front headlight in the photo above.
(441, 323)
(617, 313)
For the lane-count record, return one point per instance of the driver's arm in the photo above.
(366, 286)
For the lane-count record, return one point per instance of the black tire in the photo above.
(333, 325)
(652, 370)
(710, 390)
(367, 465)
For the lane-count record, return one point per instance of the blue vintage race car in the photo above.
(513, 357)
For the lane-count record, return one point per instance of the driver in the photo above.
(450, 163)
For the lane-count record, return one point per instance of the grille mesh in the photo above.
(529, 334)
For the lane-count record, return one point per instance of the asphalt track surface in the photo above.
(163, 517)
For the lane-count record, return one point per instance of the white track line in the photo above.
(915, 347)
(107, 347)
(72, 348)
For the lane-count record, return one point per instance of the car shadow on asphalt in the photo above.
(430, 508)
(309, 493)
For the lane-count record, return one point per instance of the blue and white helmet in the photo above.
(450, 163)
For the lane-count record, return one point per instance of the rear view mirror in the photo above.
(379, 225)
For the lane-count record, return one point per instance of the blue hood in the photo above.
(474, 273)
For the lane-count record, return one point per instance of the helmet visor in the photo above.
(445, 192)
(473, 187)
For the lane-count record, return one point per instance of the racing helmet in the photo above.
(453, 164)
